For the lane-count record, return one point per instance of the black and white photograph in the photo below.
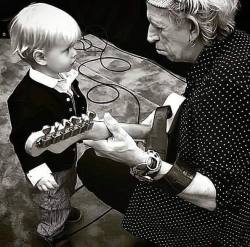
(124, 123)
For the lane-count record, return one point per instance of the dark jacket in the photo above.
(212, 136)
(33, 105)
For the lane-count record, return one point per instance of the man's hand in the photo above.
(120, 147)
(47, 183)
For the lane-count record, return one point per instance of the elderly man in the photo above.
(203, 197)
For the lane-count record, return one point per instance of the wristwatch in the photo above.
(147, 170)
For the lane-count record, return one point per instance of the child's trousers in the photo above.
(55, 206)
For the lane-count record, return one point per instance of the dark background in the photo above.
(123, 23)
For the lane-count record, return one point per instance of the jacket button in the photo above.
(67, 99)
(70, 109)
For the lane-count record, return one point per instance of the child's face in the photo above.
(61, 58)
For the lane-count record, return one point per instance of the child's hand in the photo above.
(47, 183)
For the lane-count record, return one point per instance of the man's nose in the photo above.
(153, 35)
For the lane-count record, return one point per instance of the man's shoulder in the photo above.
(233, 55)
(242, 34)
(240, 42)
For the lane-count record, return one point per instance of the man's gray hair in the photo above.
(216, 18)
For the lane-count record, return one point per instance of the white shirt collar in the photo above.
(62, 85)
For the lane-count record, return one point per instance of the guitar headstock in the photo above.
(50, 135)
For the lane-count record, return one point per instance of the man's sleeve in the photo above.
(224, 139)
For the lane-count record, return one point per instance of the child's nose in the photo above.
(73, 52)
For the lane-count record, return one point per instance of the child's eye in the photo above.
(67, 50)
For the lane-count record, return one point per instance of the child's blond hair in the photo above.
(41, 26)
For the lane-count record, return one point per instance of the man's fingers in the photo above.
(114, 127)
(89, 142)
(98, 145)
(99, 154)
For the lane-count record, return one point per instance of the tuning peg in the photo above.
(46, 130)
(84, 119)
(66, 123)
(84, 122)
(44, 140)
(91, 115)
(56, 126)
(75, 120)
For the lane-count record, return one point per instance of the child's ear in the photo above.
(39, 57)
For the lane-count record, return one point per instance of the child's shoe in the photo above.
(75, 215)
(59, 240)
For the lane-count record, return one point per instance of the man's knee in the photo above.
(86, 166)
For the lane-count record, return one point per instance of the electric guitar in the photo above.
(60, 136)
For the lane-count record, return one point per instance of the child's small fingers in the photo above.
(44, 188)
(50, 186)
(39, 187)
(53, 182)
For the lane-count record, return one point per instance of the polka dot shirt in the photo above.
(213, 137)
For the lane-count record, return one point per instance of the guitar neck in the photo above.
(37, 143)
(99, 131)
(56, 139)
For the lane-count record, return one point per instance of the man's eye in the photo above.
(157, 27)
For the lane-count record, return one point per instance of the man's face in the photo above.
(170, 40)
(61, 58)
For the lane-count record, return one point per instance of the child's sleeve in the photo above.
(25, 119)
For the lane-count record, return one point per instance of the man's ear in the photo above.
(194, 28)
(39, 57)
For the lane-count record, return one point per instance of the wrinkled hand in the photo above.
(47, 183)
(120, 147)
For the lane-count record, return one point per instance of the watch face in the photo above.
(152, 165)
(148, 170)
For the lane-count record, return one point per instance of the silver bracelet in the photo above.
(147, 170)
